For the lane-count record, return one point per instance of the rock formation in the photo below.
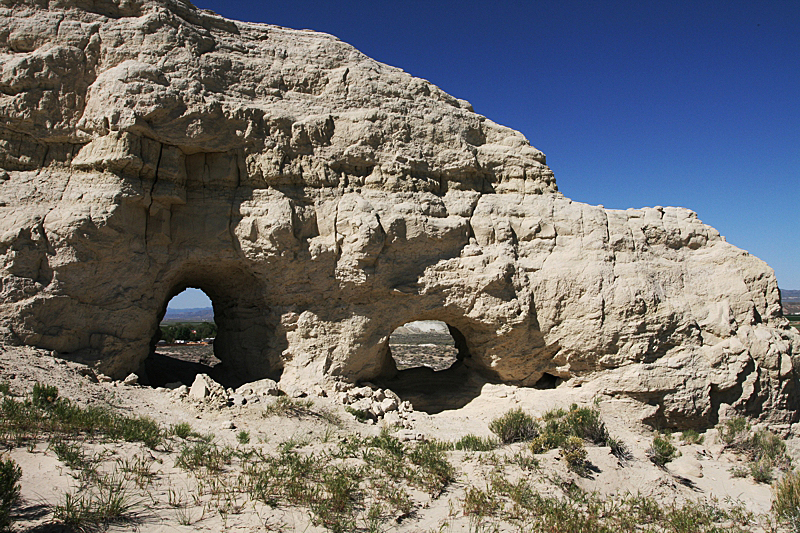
(322, 199)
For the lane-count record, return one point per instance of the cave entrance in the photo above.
(215, 323)
(432, 369)
(185, 343)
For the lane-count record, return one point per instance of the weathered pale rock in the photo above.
(388, 404)
(322, 199)
(262, 387)
(180, 392)
(130, 379)
(205, 387)
(686, 466)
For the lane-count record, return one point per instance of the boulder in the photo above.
(204, 388)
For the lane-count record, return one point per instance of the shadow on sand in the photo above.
(432, 391)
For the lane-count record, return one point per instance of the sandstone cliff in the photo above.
(322, 199)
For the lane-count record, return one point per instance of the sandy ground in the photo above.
(702, 471)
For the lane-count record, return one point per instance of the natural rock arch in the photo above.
(240, 313)
(323, 195)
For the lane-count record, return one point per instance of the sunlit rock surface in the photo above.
(322, 199)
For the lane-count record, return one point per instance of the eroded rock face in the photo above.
(322, 199)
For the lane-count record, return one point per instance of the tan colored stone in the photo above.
(322, 199)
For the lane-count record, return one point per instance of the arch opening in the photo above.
(431, 367)
(184, 342)
(227, 336)
(424, 343)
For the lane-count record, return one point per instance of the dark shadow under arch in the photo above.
(434, 390)
(243, 333)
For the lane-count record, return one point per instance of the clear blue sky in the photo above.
(688, 103)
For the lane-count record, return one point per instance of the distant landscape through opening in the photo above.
(433, 368)
(185, 346)
(425, 343)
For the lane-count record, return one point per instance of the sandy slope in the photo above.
(700, 473)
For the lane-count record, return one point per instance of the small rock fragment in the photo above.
(204, 387)
(388, 404)
(131, 379)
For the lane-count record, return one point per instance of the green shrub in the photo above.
(44, 395)
(786, 500)
(662, 450)
(732, 429)
(764, 444)
(761, 471)
(514, 426)
(10, 474)
(580, 422)
(181, 430)
(585, 422)
(574, 453)
(473, 443)
(691, 436)
(243, 437)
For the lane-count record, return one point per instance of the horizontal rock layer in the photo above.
(322, 199)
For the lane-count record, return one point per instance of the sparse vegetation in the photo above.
(205, 456)
(514, 426)
(765, 451)
(45, 412)
(10, 474)
(786, 500)
(361, 416)
(336, 491)
(299, 408)
(691, 436)
(351, 483)
(106, 500)
(576, 511)
(662, 451)
(473, 443)
(583, 423)
(182, 430)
